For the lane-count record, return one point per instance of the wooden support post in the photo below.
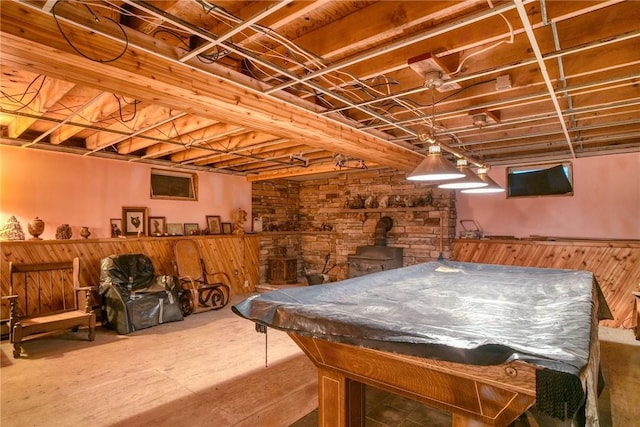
(340, 400)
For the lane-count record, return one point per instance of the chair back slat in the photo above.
(188, 259)
(44, 288)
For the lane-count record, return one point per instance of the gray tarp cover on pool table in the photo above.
(461, 312)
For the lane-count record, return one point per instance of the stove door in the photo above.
(360, 268)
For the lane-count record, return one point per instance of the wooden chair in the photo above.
(202, 290)
(44, 299)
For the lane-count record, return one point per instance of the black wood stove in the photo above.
(379, 257)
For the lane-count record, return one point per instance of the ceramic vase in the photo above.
(85, 233)
(36, 228)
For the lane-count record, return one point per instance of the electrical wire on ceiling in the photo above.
(120, 112)
(354, 89)
(292, 47)
(20, 100)
(313, 62)
(78, 51)
(488, 48)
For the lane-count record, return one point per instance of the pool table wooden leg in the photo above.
(340, 400)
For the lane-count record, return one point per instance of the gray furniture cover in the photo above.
(134, 297)
(461, 312)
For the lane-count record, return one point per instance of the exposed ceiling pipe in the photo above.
(525, 159)
(543, 70)
(515, 101)
(550, 133)
(294, 78)
(479, 74)
(400, 44)
(210, 37)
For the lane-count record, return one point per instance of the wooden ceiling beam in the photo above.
(155, 79)
(45, 95)
(222, 146)
(279, 153)
(299, 172)
(251, 152)
(384, 21)
(291, 13)
(101, 105)
(178, 129)
(466, 40)
(144, 117)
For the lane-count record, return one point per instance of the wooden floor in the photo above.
(210, 370)
(206, 370)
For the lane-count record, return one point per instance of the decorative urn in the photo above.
(36, 228)
(85, 233)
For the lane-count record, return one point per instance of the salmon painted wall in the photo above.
(87, 191)
(605, 204)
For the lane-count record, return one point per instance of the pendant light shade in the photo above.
(492, 186)
(435, 168)
(470, 179)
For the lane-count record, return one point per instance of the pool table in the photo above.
(485, 342)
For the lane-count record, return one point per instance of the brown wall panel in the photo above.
(615, 264)
(236, 255)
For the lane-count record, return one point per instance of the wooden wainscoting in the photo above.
(238, 256)
(616, 264)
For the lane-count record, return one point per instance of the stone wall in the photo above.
(277, 204)
(330, 220)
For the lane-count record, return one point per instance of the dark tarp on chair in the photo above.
(134, 297)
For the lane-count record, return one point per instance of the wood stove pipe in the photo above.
(382, 227)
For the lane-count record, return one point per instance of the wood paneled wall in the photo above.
(238, 256)
(616, 264)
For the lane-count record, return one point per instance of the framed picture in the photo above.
(134, 221)
(175, 229)
(214, 224)
(226, 228)
(115, 225)
(191, 229)
(157, 225)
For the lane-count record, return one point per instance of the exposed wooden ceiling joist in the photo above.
(240, 86)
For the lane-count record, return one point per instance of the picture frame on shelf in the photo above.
(214, 224)
(115, 225)
(226, 228)
(175, 229)
(135, 221)
(191, 229)
(157, 225)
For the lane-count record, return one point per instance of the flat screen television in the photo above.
(540, 180)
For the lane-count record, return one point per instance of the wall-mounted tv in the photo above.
(540, 180)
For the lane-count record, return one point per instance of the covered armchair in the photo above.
(134, 297)
(202, 290)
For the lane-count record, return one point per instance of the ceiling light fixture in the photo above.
(427, 136)
(470, 179)
(479, 120)
(492, 186)
(434, 167)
